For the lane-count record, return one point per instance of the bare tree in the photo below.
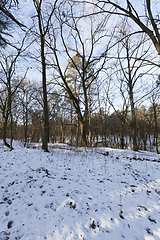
(121, 113)
(133, 66)
(25, 96)
(43, 26)
(7, 18)
(9, 85)
(154, 98)
(80, 48)
(148, 22)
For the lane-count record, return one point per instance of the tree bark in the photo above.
(77, 130)
(5, 121)
(45, 138)
(83, 133)
(89, 118)
(10, 112)
(134, 125)
(122, 136)
(71, 128)
(156, 128)
(25, 124)
(130, 85)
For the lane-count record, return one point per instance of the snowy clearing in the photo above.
(77, 193)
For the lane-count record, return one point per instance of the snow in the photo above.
(79, 193)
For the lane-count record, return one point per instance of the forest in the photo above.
(85, 73)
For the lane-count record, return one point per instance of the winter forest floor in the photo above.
(77, 193)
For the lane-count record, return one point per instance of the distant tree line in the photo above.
(103, 129)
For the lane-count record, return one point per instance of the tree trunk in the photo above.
(150, 143)
(89, 118)
(134, 125)
(83, 134)
(130, 86)
(10, 112)
(105, 126)
(77, 117)
(11, 132)
(71, 140)
(122, 136)
(45, 139)
(77, 130)
(145, 142)
(5, 121)
(45, 109)
(156, 128)
(90, 138)
(4, 130)
(26, 128)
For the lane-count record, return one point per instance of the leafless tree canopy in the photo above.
(80, 72)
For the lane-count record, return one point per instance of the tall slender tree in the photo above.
(43, 26)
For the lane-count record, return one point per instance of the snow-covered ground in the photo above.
(76, 193)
